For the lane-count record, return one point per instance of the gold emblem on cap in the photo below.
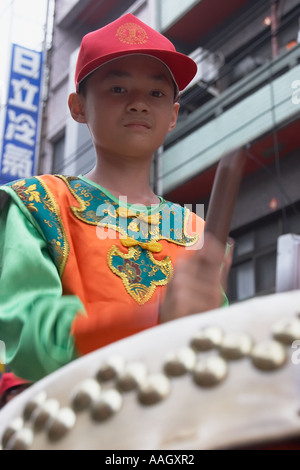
(132, 33)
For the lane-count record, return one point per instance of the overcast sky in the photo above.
(21, 22)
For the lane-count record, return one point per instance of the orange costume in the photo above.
(111, 262)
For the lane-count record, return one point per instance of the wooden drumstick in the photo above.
(224, 194)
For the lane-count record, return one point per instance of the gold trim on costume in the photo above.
(53, 207)
(140, 292)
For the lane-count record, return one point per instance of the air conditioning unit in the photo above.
(209, 64)
(288, 263)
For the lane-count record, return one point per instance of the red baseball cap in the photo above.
(129, 35)
(9, 380)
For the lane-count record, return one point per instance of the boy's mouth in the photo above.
(138, 124)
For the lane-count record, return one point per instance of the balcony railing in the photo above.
(171, 10)
(246, 110)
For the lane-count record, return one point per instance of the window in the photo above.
(253, 269)
(58, 155)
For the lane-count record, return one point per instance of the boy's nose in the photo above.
(138, 104)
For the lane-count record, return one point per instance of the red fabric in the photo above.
(9, 380)
(129, 35)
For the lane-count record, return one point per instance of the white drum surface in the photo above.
(248, 405)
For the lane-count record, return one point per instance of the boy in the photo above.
(83, 266)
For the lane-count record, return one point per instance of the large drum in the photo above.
(229, 378)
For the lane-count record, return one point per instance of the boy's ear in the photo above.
(76, 107)
(173, 121)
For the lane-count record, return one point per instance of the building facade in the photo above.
(246, 94)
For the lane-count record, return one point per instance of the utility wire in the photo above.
(267, 170)
(246, 51)
(73, 157)
(242, 22)
(95, 7)
(276, 147)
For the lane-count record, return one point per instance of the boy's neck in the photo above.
(130, 181)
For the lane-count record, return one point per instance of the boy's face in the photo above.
(128, 106)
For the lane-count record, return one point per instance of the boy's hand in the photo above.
(196, 283)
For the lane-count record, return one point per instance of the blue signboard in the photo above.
(21, 129)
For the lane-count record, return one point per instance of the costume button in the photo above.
(106, 405)
(155, 388)
(207, 338)
(210, 371)
(287, 330)
(235, 345)
(268, 355)
(84, 393)
(179, 362)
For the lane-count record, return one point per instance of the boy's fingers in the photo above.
(227, 263)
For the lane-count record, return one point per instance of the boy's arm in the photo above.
(35, 319)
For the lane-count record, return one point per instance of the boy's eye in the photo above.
(118, 89)
(156, 94)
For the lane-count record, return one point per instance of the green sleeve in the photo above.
(225, 302)
(35, 318)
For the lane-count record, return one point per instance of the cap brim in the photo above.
(182, 68)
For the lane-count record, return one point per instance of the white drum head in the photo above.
(168, 391)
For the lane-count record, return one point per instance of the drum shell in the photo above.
(249, 408)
